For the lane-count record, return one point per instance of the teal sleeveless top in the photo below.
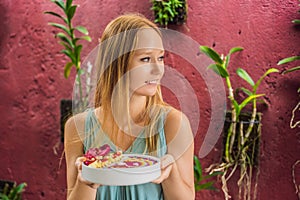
(94, 136)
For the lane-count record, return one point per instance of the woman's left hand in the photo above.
(167, 162)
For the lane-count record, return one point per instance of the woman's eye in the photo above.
(146, 59)
(161, 58)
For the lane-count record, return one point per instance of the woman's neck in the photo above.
(136, 119)
(137, 106)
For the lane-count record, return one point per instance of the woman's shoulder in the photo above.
(176, 116)
(77, 118)
(178, 130)
(76, 123)
(175, 121)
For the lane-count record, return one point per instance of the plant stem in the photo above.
(252, 120)
(80, 89)
(292, 123)
(294, 179)
(77, 65)
(232, 128)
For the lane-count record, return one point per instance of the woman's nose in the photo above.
(157, 68)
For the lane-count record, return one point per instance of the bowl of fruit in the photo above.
(105, 167)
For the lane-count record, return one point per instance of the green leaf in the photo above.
(170, 11)
(15, 192)
(56, 15)
(216, 173)
(64, 38)
(246, 91)
(291, 70)
(3, 197)
(271, 70)
(196, 174)
(82, 29)
(71, 11)
(296, 21)
(70, 54)
(212, 54)
(197, 168)
(227, 58)
(67, 69)
(60, 26)
(20, 187)
(66, 45)
(236, 107)
(235, 49)
(231, 51)
(204, 186)
(289, 59)
(217, 68)
(60, 3)
(68, 3)
(244, 75)
(166, 16)
(87, 38)
(248, 99)
(77, 52)
(197, 187)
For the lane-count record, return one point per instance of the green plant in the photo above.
(68, 39)
(293, 69)
(200, 179)
(293, 124)
(240, 143)
(12, 193)
(166, 11)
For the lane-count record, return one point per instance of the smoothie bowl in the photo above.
(115, 168)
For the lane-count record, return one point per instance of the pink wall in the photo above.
(32, 84)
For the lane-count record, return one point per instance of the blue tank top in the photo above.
(94, 135)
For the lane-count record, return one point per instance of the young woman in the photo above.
(130, 115)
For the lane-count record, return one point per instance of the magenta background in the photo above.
(32, 84)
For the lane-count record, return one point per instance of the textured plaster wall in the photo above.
(32, 84)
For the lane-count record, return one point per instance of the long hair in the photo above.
(116, 49)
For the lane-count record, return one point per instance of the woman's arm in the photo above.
(77, 187)
(180, 182)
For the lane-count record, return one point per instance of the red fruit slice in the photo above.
(104, 150)
(101, 151)
(89, 159)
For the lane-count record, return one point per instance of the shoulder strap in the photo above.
(162, 143)
(91, 129)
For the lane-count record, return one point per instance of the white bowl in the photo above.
(123, 176)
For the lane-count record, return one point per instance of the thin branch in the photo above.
(297, 187)
(297, 123)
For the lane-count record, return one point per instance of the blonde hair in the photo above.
(117, 46)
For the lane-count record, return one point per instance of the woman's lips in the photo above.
(154, 81)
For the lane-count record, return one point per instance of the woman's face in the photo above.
(146, 67)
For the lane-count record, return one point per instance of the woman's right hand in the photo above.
(78, 164)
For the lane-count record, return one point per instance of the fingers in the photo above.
(78, 164)
(164, 174)
(166, 168)
(166, 160)
(92, 185)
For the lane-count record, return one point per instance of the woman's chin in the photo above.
(147, 90)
